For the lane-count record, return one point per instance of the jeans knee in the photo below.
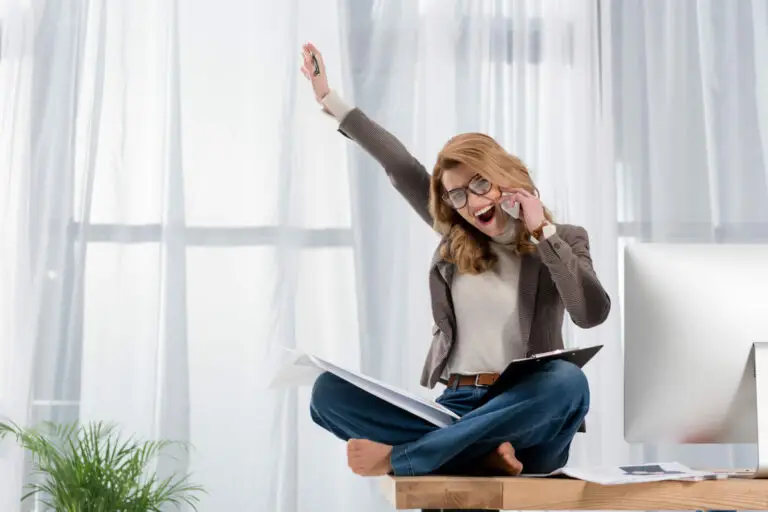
(325, 393)
(569, 381)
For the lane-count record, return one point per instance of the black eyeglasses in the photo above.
(457, 197)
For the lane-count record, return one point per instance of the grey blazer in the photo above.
(559, 276)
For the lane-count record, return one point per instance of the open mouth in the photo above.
(486, 215)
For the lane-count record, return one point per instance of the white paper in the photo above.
(296, 370)
(636, 473)
(302, 369)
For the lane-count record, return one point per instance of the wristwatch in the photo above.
(545, 230)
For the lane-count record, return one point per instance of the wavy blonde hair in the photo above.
(463, 244)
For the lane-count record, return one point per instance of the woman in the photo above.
(499, 288)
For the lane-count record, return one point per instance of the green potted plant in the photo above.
(90, 469)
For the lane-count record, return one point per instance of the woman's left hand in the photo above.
(531, 208)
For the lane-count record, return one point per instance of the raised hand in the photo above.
(315, 73)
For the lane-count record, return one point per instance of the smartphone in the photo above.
(511, 207)
(316, 70)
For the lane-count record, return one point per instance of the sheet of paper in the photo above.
(302, 369)
(635, 474)
(295, 370)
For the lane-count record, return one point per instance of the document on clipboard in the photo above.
(519, 368)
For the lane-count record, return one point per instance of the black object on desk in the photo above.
(519, 368)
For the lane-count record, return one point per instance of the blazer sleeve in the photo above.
(407, 174)
(566, 255)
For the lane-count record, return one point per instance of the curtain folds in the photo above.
(689, 101)
(176, 208)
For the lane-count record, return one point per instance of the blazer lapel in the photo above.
(447, 270)
(529, 283)
(440, 281)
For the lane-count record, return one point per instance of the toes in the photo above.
(506, 448)
(355, 465)
(358, 469)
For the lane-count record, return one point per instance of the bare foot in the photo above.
(504, 460)
(368, 458)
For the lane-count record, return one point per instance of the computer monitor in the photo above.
(692, 315)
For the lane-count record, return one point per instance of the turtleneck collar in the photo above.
(508, 235)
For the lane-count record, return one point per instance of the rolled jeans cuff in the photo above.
(401, 464)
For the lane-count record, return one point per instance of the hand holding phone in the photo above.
(510, 206)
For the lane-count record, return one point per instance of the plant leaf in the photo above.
(90, 468)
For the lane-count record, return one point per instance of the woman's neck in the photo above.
(508, 235)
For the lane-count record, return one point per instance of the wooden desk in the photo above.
(466, 493)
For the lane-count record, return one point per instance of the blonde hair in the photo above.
(464, 245)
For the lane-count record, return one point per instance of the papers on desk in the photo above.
(636, 474)
(301, 369)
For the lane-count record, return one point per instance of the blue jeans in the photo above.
(539, 416)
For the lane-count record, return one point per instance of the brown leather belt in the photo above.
(480, 380)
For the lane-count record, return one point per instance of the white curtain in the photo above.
(179, 209)
(182, 209)
(174, 205)
(20, 273)
(175, 208)
(690, 96)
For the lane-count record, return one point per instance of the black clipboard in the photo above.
(519, 368)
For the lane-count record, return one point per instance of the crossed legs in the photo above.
(534, 422)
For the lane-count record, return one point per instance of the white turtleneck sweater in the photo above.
(488, 333)
(488, 325)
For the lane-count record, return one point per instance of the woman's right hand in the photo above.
(319, 81)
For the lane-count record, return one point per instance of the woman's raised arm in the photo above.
(405, 172)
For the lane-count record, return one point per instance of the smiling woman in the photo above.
(493, 282)
(472, 176)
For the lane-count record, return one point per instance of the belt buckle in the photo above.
(477, 381)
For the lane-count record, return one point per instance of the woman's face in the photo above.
(476, 199)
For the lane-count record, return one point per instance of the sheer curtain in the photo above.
(174, 207)
(690, 90)
(20, 276)
(180, 209)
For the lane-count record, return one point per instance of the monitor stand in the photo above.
(760, 359)
(759, 367)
